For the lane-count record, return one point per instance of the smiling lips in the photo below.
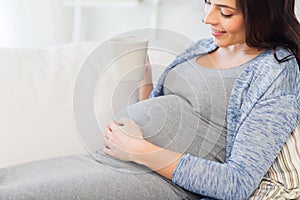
(217, 33)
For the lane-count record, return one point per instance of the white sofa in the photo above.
(38, 107)
(36, 102)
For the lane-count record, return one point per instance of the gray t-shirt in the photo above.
(191, 115)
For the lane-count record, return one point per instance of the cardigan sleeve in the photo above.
(258, 141)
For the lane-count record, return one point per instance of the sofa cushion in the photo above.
(282, 181)
(36, 102)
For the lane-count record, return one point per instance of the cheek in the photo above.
(235, 26)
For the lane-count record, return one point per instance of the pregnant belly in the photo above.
(170, 122)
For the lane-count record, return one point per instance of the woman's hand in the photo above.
(123, 139)
(146, 84)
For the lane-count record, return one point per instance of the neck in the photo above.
(238, 54)
(238, 49)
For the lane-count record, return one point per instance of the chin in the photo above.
(226, 43)
(221, 43)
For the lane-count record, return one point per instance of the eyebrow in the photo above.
(225, 6)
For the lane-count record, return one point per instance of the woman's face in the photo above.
(226, 22)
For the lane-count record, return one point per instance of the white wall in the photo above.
(34, 23)
(183, 16)
(41, 23)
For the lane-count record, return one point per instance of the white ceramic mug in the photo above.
(130, 57)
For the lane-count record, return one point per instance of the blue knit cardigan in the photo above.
(263, 109)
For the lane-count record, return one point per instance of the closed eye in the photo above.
(226, 16)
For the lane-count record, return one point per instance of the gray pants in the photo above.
(80, 177)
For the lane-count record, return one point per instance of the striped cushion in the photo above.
(282, 181)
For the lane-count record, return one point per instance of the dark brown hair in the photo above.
(271, 23)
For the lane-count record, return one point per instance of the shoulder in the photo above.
(267, 66)
(268, 78)
(269, 60)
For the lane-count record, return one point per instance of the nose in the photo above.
(210, 16)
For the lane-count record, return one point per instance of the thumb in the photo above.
(123, 121)
(130, 127)
(148, 65)
(147, 60)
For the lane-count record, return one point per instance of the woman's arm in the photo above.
(146, 85)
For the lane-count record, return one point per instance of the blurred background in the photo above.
(42, 23)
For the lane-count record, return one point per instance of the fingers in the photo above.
(147, 61)
(108, 137)
(108, 142)
(126, 126)
(113, 125)
(107, 151)
(107, 134)
(125, 121)
(119, 123)
(112, 129)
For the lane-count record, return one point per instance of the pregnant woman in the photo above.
(211, 128)
(241, 86)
